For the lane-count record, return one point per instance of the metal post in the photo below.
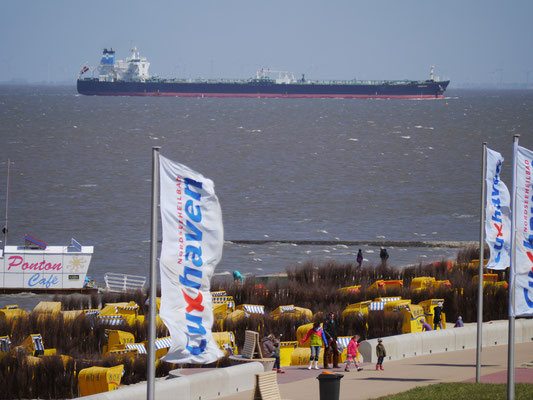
(6, 228)
(512, 270)
(481, 263)
(150, 373)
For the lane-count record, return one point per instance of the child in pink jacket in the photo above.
(351, 353)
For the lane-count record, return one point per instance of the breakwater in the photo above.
(374, 243)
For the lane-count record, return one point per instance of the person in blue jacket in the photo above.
(237, 277)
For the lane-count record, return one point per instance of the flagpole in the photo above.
(512, 270)
(481, 263)
(6, 227)
(150, 373)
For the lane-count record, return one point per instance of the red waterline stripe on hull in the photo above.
(262, 96)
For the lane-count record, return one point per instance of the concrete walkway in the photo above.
(399, 376)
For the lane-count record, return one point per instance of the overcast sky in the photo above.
(479, 41)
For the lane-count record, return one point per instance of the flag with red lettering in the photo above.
(523, 226)
(497, 214)
(191, 249)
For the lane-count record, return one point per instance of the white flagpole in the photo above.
(512, 270)
(6, 227)
(481, 264)
(152, 309)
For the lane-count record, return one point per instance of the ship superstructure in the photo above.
(133, 69)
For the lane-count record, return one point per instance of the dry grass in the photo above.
(313, 285)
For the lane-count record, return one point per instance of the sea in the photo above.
(299, 180)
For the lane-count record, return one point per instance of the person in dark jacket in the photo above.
(359, 258)
(437, 311)
(330, 330)
(384, 255)
(270, 348)
(381, 353)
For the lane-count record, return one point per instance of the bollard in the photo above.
(330, 385)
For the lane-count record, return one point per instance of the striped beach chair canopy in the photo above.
(376, 306)
(163, 343)
(137, 346)
(111, 320)
(37, 342)
(122, 351)
(225, 299)
(387, 299)
(108, 331)
(92, 312)
(118, 309)
(222, 299)
(5, 344)
(253, 309)
(342, 342)
(135, 307)
(218, 293)
(287, 309)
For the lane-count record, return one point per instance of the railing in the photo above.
(122, 282)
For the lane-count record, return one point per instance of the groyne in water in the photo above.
(379, 243)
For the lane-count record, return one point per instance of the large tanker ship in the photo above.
(130, 77)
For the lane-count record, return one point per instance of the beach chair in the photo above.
(252, 352)
(266, 386)
(251, 343)
(161, 346)
(5, 344)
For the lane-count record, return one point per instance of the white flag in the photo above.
(523, 243)
(497, 214)
(192, 247)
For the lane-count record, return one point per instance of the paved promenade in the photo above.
(398, 376)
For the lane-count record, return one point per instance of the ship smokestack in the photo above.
(108, 57)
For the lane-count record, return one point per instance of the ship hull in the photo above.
(407, 90)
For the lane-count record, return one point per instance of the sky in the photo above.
(468, 41)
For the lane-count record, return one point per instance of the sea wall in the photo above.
(451, 339)
(211, 384)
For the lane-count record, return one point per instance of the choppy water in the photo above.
(284, 169)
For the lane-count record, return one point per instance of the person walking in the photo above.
(270, 348)
(359, 258)
(318, 339)
(459, 323)
(330, 330)
(384, 255)
(381, 354)
(437, 314)
(351, 353)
